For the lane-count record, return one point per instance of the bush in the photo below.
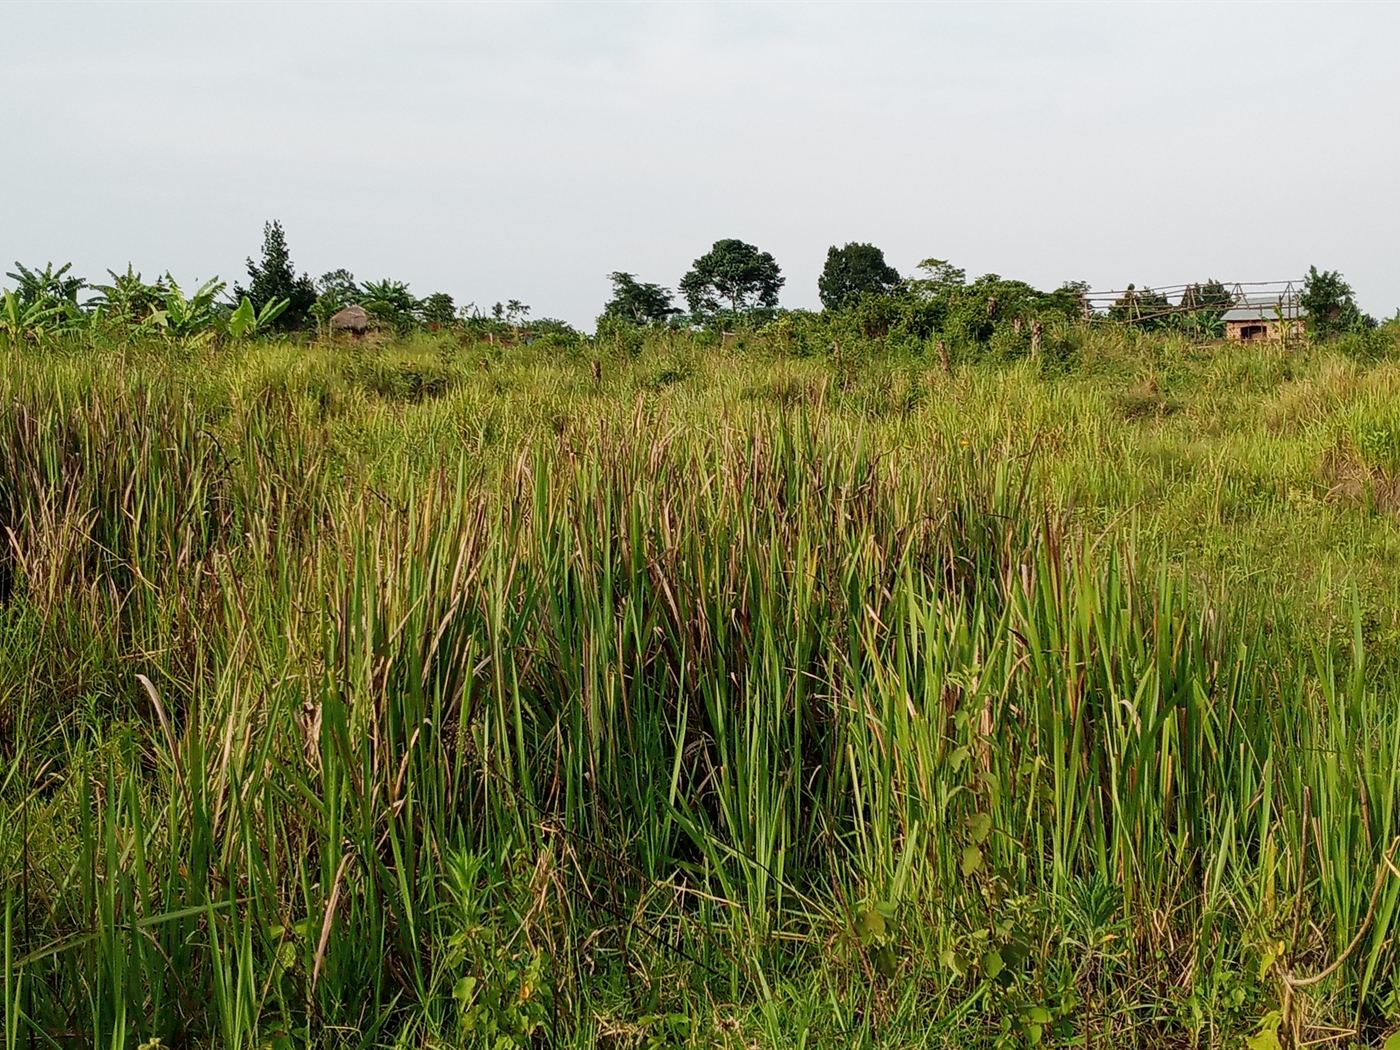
(1330, 305)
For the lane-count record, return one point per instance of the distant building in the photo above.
(1264, 318)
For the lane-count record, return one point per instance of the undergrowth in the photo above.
(442, 694)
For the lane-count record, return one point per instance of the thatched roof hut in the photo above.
(351, 319)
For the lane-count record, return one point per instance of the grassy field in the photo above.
(699, 693)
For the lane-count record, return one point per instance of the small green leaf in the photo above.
(869, 925)
(286, 955)
(1392, 1042)
(1015, 952)
(1033, 1034)
(464, 990)
(1267, 1036)
(1038, 1015)
(971, 860)
(1266, 963)
(952, 961)
(886, 963)
(991, 964)
(978, 826)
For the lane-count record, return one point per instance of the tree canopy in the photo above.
(853, 271)
(438, 309)
(1330, 304)
(638, 302)
(735, 273)
(1142, 306)
(275, 279)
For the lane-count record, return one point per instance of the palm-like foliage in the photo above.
(44, 301)
(129, 299)
(195, 317)
(391, 303)
(246, 322)
(48, 284)
(23, 320)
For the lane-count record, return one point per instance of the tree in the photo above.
(275, 279)
(853, 271)
(339, 287)
(439, 310)
(1202, 308)
(1141, 306)
(637, 302)
(733, 271)
(512, 313)
(1330, 304)
(1069, 300)
(941, 279)
(1212, 295)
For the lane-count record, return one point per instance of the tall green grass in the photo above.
(811, 713)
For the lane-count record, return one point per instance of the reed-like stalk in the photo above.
(640, 726)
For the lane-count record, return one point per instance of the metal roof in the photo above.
(1265, 308)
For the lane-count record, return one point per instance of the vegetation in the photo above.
(760, 684)
(735, 273)
(1330, 305)
(275, 280)
(853, 271)
(638, 302)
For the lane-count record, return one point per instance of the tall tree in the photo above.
(339, 287)
(734, 272)
(1330, 304)
(853, 271)
(941, 279)
(275, 279)
(438, 309)
(638, 302)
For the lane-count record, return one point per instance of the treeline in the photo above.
(735, 283)
(275, 300)
(734, 286)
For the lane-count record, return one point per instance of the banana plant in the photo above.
(188, 319)
(391, 303)
(22, 320)
(128, 299)
(36, 285)
(246, 322)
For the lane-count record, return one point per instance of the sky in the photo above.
(526, 150)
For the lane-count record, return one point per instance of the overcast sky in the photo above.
(527, 150)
